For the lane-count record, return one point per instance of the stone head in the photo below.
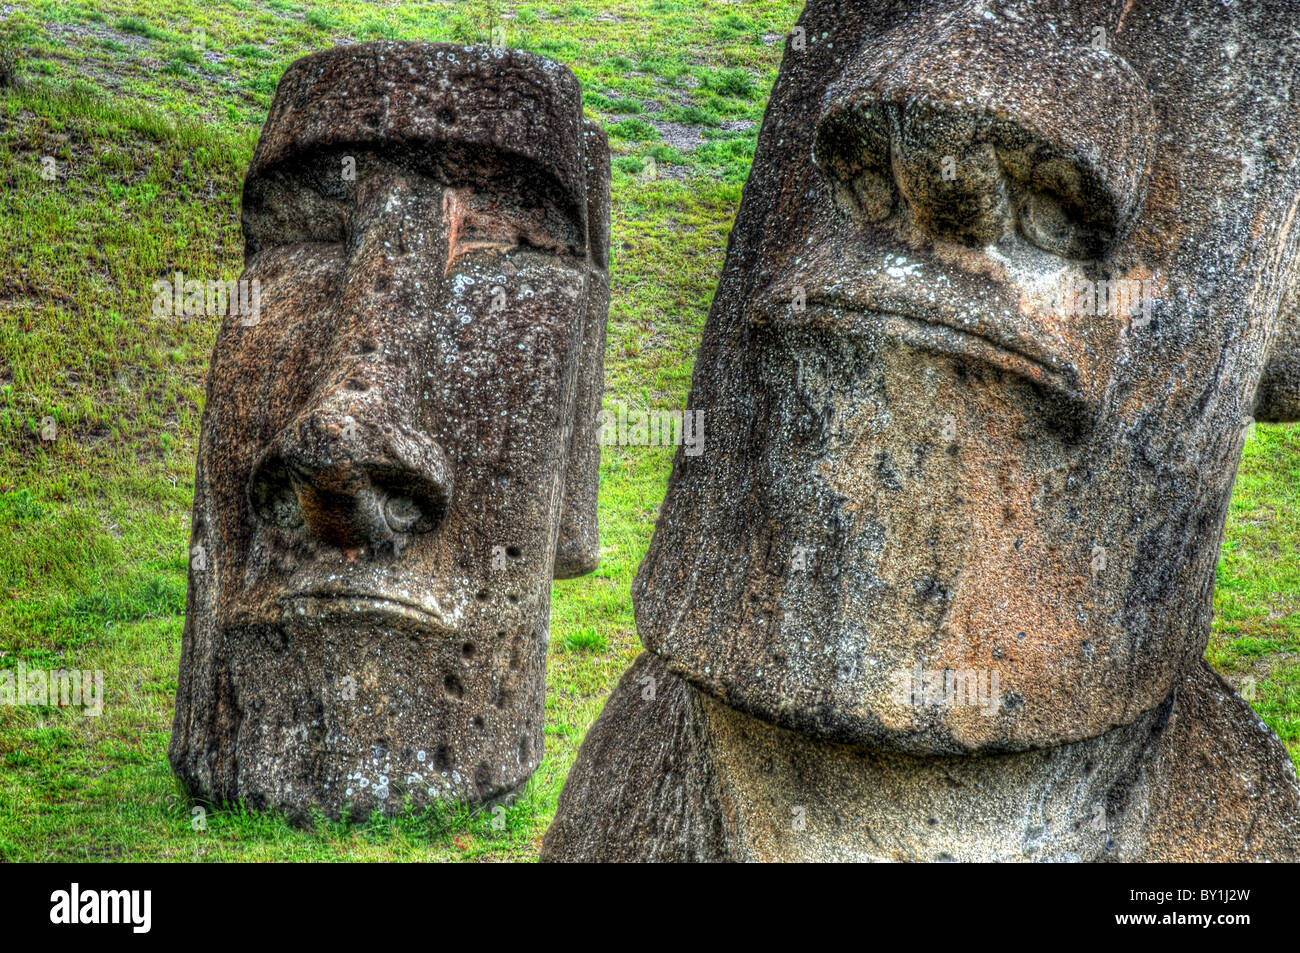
(399, 450)
(1008, 285)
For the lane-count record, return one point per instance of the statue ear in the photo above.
(578, 548)
(1277, 399)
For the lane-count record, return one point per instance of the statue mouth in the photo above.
(334, 606)
(967, 339)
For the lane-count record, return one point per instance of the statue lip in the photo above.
(335, 604)
(985, 342)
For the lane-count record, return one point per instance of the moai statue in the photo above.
(400, 450)
(1004, 285)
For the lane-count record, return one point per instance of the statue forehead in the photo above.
(429, 102)
(1019, 55)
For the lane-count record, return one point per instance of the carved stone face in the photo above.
(390, 449)
(917, 461)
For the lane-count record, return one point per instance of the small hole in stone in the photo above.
(453, 686)
(523, 749)
(442, 758)
(514, 552)
(513, 598)
(467, 649)
(478, 721)
(481, 595)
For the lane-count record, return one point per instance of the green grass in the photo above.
(150, 134)
(1256, 637)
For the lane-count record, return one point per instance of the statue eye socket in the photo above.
(288, 211)
(275, 501)
(492, 216)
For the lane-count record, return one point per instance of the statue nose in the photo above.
(935, 159)
(957, 133)
(351, 474)
(950, 179)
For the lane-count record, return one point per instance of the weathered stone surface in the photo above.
(924, 458)
(1069, 434)
(1278, 397)
(683, 777)
(400, 450)
(644, 786)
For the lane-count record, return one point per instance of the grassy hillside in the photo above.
(125, 128)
